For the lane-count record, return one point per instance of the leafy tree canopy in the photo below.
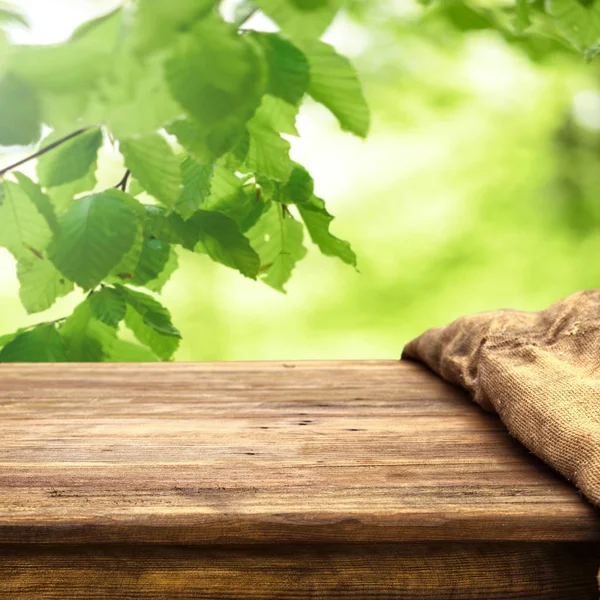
(201, 111)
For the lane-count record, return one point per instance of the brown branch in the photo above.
(122, 185)
(42, 151)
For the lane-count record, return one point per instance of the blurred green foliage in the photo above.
(477, 189)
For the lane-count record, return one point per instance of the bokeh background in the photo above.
(478, 188)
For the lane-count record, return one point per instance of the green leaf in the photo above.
(288, 68)
(242, 203)
(23, 229)
(20, 112)
(333, 83)
(465, 17)
(209, 71)
(62, 196)
(162, 346)
(41, 200)
(310, 4)
(70, 161)
(192, 136)
(196, 187)
(317, 221)
(8, 337)
(522, 20)
(156, 23)
(282, 115)
(10, 16)
(150, 322)
(41, 284)
(218, 77)
(159, 224)
(126, 266)
(300, 186)
(134, 188)
(40, 344)
(157, 284)
(155, 315)
(277, 237)
(122, 351)
(591, 53)
(72, 66)
(269, 153)
(96, 232)
(100, 29)
(298, 23)
(134, 99)
(108, 306)
(207, 143)
(157, 261)
(221, 238)
(578, 21)
(224, 185)
(169, 228)
(62, 111)
(87, 339)
(154, 164)
(162, 225)
(4, 52)
(153, 259)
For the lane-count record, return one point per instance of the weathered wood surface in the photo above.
(421, 571)
(199, 454)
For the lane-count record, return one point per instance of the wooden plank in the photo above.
(425, 571)
(256, 453)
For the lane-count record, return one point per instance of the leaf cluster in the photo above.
(569, 24)
(201, 111)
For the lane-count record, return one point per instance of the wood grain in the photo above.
(421, 571)
(252, 453)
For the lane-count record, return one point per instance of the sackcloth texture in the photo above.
(540, 371)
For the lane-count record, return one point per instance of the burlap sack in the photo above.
(540, 371)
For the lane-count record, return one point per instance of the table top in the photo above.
(245, 453)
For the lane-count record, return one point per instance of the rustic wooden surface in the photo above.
(425, 571)
(265, 453)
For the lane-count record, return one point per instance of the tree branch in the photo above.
(122, 185)
(42, 151)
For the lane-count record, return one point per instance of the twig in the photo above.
(51, 322)
(122, 185)
(42, 151)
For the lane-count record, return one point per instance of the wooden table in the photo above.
(275, 481)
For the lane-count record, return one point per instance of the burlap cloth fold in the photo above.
(540, 371)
